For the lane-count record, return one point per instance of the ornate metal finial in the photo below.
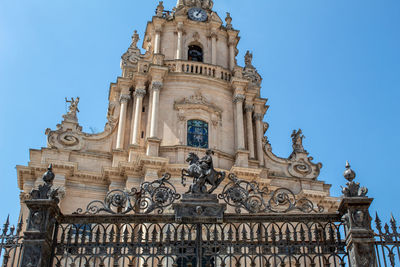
(72, 109)
(202, 172)
(228, 21)
(48, 177)
(352, 188)
(349, 174)
(248, 58)
(45, 191)
(160, 9)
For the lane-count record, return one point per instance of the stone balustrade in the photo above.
(192, 67)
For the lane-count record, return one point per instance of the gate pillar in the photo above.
(354, 208)
(38, 236)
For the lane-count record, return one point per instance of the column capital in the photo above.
(179, 26)
(249, 108)
(156, 86)
(258, 116)
(232, 43)
(140, 93)
(124, 98)
(238, 98)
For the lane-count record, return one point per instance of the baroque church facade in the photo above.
(185, 93)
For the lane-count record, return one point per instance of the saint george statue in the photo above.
(202, 171)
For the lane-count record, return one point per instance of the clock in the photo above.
(197, 14)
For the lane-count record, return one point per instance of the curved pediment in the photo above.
(197, 101)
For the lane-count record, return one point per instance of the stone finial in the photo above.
(228, 21)
(160, 9)
(352, 188)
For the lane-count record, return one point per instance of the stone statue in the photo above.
(73, 107)
(228, 21)
(135, 39)
(202, 171)
(160, 9)
(248, 58)
(132, 56)
(297, 139)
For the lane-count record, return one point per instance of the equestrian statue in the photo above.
(202, 172)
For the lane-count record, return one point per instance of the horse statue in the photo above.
(202, 172)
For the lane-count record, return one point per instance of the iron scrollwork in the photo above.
(152, 196)
(244, 195)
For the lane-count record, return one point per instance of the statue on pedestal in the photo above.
(202, 171)
(73, 108)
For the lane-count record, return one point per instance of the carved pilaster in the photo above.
(249, 108)
(238, 101)
(153, 142)
(124, 99)
(258, 117)
(137, 118)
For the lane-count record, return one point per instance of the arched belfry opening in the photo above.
(195, 53)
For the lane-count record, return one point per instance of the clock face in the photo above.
(197, 14)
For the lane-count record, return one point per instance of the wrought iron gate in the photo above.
(148, 227)
(241, 240)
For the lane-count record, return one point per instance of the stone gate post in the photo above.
(38, 237)
(354, 208)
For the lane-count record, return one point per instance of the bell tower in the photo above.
(184, 93)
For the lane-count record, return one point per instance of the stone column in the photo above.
(139, 94)
(214, 48)
(355, 210)
(238, 100)
(124, 99)
(231, 55)
(259, 135)
(179, 44)
(156, 87)
(250, 135)
(157, 42)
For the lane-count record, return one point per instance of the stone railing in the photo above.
(199, 68)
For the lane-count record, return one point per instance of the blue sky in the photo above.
(330, 67)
